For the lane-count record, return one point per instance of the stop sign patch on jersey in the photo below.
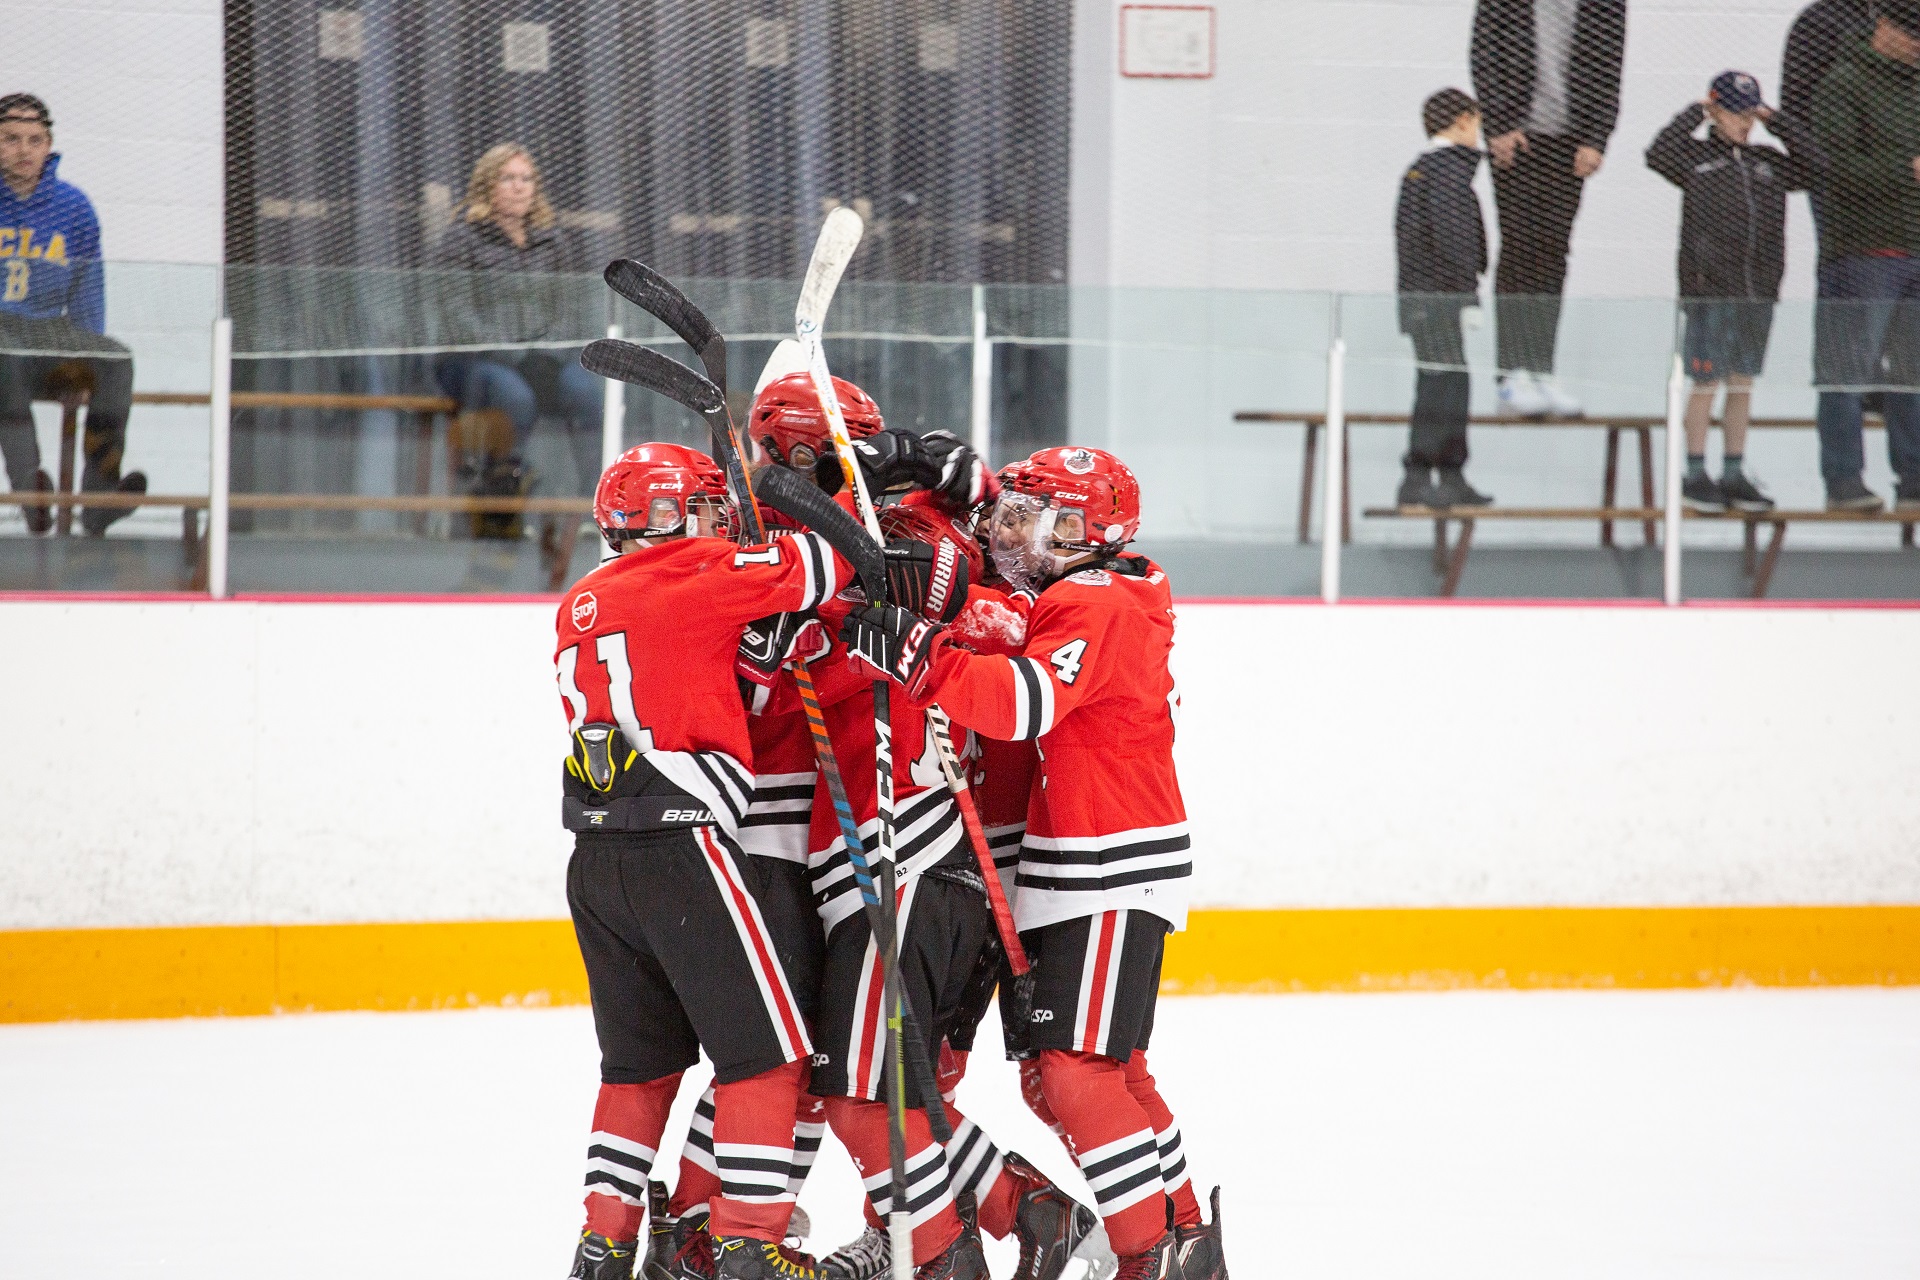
(585, 609)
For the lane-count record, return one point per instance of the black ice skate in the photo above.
(1159, 1261)
(677, 1248)
(963, 1259)
(1201, 1254)
(1053, 1229)
(598, 1258)
(868, 1256)
(745, 1258)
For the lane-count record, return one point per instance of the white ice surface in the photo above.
(1566, 1134)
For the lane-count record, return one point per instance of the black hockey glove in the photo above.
(964, 479)
(774, 641)
(930, 581)
(897, 644)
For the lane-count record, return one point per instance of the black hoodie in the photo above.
(1733, 213)
(1439, 240)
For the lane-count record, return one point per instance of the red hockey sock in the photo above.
(1113, 1142)
(1173, 1157)
(699, 1180)
(861, 1127)
(1036, 1097)
(753, 1129)
(627, 1122)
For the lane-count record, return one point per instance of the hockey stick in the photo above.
(788, 357)
(1022, 995)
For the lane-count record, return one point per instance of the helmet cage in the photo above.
(1033, 539)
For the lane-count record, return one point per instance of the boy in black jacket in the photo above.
(1732, 252)
(1441, 245)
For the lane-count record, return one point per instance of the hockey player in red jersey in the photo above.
(678, 951)
(1105, 858)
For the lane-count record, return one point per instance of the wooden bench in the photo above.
(1640, 425)
(1450, 560)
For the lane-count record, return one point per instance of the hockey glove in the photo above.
(930, 581)
(897, 644)
(964, 478)
(774, 641)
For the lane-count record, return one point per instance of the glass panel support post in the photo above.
(613, 416)
(219, 457)
(1332, 503)
(980, 433)
(1676, 464)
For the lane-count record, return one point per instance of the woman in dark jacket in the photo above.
(512, 287)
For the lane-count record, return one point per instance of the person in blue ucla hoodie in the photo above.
(53, 314)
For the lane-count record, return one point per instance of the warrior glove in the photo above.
(897, 644)
(776, 640)
(928, 580)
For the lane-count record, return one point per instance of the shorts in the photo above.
(943, 927)
(680, 957)
(1726, 337)
(785, 893)
(1096, 981)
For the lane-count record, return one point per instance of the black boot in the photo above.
(745, 1258)
(502, 478)
(1454, 491)
(95, 520)
(1051, 1226)
(1201, 1254)
(1416, 487)
(598, 1258)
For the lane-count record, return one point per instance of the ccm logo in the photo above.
(1042, 1015)
(686, 815)
(585, 609)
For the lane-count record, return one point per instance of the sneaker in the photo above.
(1416, 489)
(1452, 490)
(868, 1256)
(598, 1258)
(1852, 494)
(1053, 1228)
(746, 1258)
(1703, 494)
(1743, 494)
(1201, 1254)
(95, 520)
(1561, 403)
(1159, 1261)
(1521, 396)
(39, 519)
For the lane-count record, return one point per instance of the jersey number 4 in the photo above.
(1066, 660)
(611, 649)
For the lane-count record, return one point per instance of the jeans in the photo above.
(1867, 337)
(107, 365)
(1535, 200)
(498, 381)
(1441, 387)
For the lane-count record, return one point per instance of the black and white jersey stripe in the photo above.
(816, 558)
(716, 779)
(778, 815)
(1032, 698)
(1004, 844)
(1099, 864)
(926, 828)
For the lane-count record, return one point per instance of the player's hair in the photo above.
(1439, 112)
(486, 172)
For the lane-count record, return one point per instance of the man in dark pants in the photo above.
(1866, 119)
(1547, 73)
(53, 316)
(1440, 245)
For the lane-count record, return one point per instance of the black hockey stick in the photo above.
(802, 501)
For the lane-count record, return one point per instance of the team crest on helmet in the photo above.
(618, 519)
(1078, 461)
(585, 609)
(1091, 577)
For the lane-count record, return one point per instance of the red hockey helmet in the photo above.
(1058, 505)
(787, 427)
(657, 490)
(926, 522)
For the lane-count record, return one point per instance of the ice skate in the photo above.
(745, 1258)
(677, 1248)
(1201, 1254)
(868, 1256)
(1158, 1261)
(1054, 1230)
(598, 1258)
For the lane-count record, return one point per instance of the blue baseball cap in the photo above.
(1736, 91)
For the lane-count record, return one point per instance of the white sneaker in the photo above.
(1561, 402)
(1521, 396)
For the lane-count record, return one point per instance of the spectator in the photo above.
(507, 226)
(1547, 73)
(1813, 42)
(1866, 120)
(1441, 245)
(1733, 218)
(53, 315)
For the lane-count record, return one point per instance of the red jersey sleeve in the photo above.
(1024, 696)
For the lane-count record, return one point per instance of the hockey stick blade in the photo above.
(660, 298)
(644, 367)
(839, 237)
(788, 357)
(800, 500)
